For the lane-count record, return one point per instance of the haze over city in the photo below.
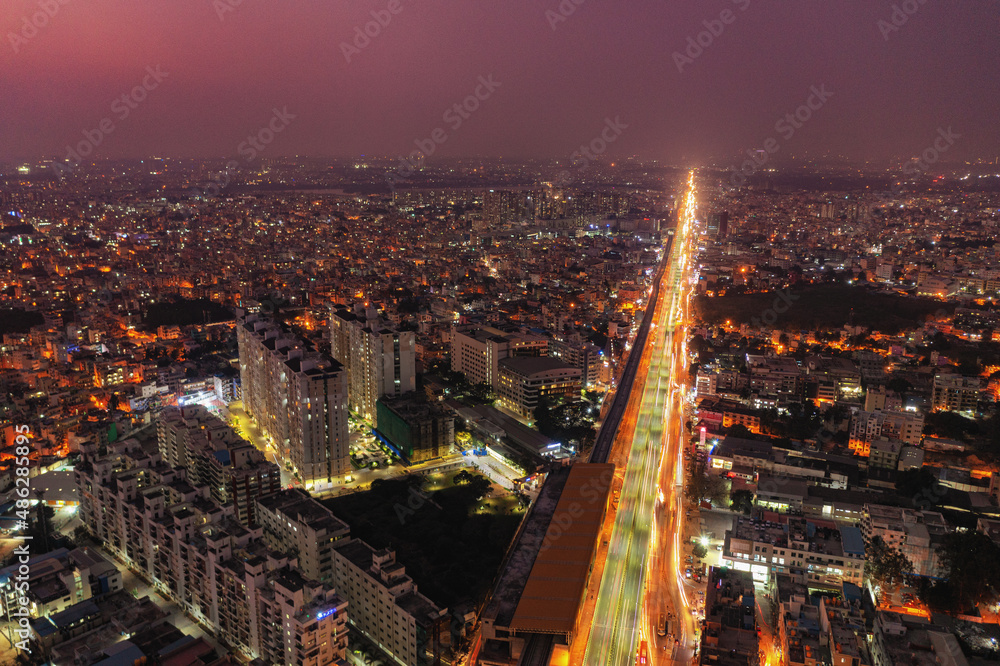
(563, 68)
(536, 333)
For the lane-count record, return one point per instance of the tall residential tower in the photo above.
(380, 360)
(298, 397)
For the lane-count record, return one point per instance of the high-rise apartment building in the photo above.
(292, 520)
(385, 604)
(718, 224)
(586, 356)
(526, 381)
(195, 552)
(298, 397)
(420, 429)
(505, 206)
(380, 360)
(235, 472)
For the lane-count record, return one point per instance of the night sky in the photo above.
(561, 76)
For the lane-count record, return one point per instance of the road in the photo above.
(621, 397)
(669, 592)
(621, 616)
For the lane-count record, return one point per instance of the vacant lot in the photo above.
(450, 542)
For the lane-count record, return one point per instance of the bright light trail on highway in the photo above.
(621, 617)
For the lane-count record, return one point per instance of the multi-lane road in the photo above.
(644, 548)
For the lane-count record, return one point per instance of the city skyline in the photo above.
(548, 333)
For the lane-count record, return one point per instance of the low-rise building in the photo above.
(58, 580)
(798, 623)
(844, 630)
(827, 555)
(899, 640)
(729, 633)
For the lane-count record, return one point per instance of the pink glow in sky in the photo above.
(560, 79)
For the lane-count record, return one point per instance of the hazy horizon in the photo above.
(684, 84)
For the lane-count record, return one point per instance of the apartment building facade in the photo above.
(476, 351)
(385, 603)
(525, 381)
(380, 360)
(955, 393)
(235, 472)
(868, 427)
(914, 533)
(196, 553)
(299, 399)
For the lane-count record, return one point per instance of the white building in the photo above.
(868, 427)
(196, 553)
(385, 604)
(298, 398)
(909, 531)
(476, 352)
(826, 555)
(380, 360)
(526, 380)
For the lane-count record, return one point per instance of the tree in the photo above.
(916, 483)
(951, 425)
(482, 392)
(543, 416)
(699, 550)
(739, 430)
(970, 558)
(481, 485)
(80, 534)
(741, 501)
(702, 485)
(885, 566)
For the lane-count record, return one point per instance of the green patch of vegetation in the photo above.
(449, 543)
(824, 306)
(741, 501)
(970, 560)
(566, 421)
(886, 566)
(185, 312)
(17, 320)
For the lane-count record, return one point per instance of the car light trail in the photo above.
(622, 614)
